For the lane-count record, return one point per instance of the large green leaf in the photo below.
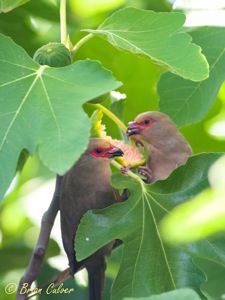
(149, 265)
(181, 294)
(188, 102)
(7, 5)
(155, 36)
(42, 106)
(215, 273)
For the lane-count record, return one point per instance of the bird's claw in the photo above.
(146, 171)
(125, 169)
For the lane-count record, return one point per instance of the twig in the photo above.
(35, 265)
(65, 275)
(81, 42)
(63, 21)
(111, 116)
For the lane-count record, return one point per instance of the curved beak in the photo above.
(115, 151)
(133, 128)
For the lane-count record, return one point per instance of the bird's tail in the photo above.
(96, 283)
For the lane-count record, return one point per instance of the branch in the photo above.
(35, 265)
(65, 275)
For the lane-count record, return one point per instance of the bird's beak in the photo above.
(133, 128)
(114, 151)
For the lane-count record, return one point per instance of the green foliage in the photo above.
(7, 5)
(191, 101)
(181, 294)
(135, 222)
(46, 111)
(47, 108)
(213, 288)
(9, 261)
(201, 216)
(147, 34)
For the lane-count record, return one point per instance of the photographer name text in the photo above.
(51, 289)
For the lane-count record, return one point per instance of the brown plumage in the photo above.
(167, 147)
(86, 186)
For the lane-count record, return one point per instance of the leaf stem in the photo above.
(111, 116)
(63, 29)
(81, 42)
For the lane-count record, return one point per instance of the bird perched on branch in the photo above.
(84, 187)
(167, 147)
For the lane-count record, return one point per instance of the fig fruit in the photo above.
(53, 55)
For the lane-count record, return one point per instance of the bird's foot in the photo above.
(125, 169)
(146, 171)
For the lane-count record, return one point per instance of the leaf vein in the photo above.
(17, 112)
(161, 242)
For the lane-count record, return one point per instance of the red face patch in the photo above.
(110, 152)
(147, 123)
(99, 152)
(136, 128)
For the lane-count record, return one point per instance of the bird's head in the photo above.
(101, 148)
(142, 122)
(152, 124)
(159, 131)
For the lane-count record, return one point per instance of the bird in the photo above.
(84, 187)
(166, 146)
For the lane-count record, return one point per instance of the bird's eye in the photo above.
(98, 151)
(147, 122)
